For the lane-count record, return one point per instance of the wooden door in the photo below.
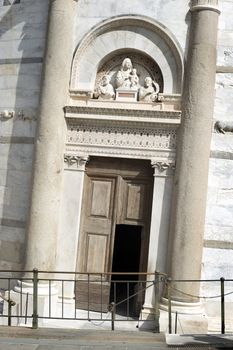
(135, 200)
(115, 191)
(95, 243)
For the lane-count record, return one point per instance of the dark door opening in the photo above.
(126, 258)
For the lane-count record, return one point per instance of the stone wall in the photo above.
(218, 243)
(22, 41)
(171, 13)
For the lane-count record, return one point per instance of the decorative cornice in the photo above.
(211, 5)
(75, 162)
(121, 112)
(163, 168)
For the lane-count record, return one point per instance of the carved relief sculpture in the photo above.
(123, 75)
(126, 85)
(150, 90)
(134, 80)
(105, 90)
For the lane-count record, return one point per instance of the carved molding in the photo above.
(122, 110)
(212, 5)
(120, 132)
(121, 136)
(75, 162)
(120, 152)
(163, 168)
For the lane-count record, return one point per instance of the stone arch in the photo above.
(130, 33)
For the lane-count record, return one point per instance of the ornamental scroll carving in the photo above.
(137, 84)
(75, 162)
(163, 168)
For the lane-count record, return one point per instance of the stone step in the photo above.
(15, 338)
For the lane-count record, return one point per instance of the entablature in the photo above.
(127, 130)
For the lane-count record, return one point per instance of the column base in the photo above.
(22, 295)
(191, 317)
(151, 319)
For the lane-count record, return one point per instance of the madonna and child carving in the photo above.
(127, 80)
(127, 77)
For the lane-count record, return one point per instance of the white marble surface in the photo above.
(22, 36)
(170, 13)
(23, 30)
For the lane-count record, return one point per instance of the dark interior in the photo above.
(126, 258)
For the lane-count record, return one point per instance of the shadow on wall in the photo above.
(22, 40)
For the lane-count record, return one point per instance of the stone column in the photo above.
(190, 184)
(160, 217)
(70, 220)
(50, 140)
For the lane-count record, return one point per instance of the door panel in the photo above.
(100, 203)
(135, 201)
(94, 248)
(96, 262)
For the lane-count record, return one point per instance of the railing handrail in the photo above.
(108, 273)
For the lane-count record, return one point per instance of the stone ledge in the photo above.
(217, 244)
(221, 155)
(12, 223)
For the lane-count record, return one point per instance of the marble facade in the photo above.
(97, 122)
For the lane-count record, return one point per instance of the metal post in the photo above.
(113, 315)
(222, 280)
(35, 299)
(176, 322)
(9, 312)
(26, 309)
(169, 306)
(157, 313)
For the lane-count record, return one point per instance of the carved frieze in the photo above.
(121, 136)
(119, 132)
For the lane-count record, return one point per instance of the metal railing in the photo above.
(221, 296)
(100, 297)
(10, 304)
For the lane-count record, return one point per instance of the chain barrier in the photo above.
(199, 296)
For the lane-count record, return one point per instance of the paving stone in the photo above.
(18, 346)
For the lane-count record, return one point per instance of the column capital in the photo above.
(211, 5)
(73, 162)
(163, 168)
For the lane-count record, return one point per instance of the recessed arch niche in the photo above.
(129, 34)
(144, 65)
